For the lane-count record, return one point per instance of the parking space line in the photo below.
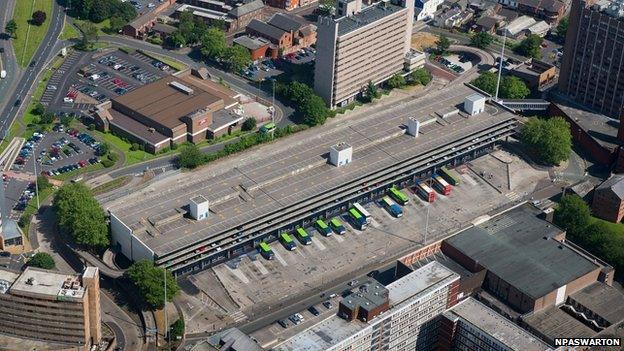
(238, 274)
(261, 267)
(279, 257)
(338, 237)
(318, 244)
(469, 179)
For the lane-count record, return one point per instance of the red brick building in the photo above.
(258, 47)
(141, 26)
(608, 202)
(289, 33)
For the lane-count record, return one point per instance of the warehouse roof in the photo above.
(284, 22)
(292, 170)
(136, 128)
(553, 323)
(519, 248)
(251, 43)
(249, 7)
(368, 15)
(265, 29)
(615, 184)
(603, 300)
(492, 323)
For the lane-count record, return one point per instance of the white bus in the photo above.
(364, 213)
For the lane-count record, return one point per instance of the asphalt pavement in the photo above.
(9, 62)
(30, 74)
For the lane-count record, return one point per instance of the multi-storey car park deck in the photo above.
(266, 193)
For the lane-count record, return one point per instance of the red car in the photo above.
(83, 163)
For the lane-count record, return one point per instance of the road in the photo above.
(9, 62)
(30, 74)
(236, 82)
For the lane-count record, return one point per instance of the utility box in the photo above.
(340, 154)
(474, 104)
(413, 126)
(199, 207)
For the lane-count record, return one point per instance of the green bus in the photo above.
(303, 236)
(398, 196)
(323, 228)
(337, 226)
(450, 176)
(265, 251)
(287, 241)
(267, 128)
(358, 219)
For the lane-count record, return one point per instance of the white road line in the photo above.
(338, 237)
(318, 244)
(469, 179)
(261, 267)
(279, 258)
(239, 274)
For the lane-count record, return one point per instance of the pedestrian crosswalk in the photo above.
(238, 316)
(513, 196)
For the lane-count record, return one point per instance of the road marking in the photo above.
(339, 238)
(280, 258)
(318, 244)
(469, 179)
(261, 267)
(238, 274)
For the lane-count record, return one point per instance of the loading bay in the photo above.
(289, 182)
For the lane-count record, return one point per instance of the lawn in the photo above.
(111, 185)
(102, 26)
(131, 156)
(31, 208)
(177, 65)
(69, 32)
(27, 41)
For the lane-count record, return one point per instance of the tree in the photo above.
(46, 118)
(89, 35)
(80, 215)
(396, 81)
(513, 88)
(11, 29)
(486, 82)
(41, 260)
(177, 329)
(236, 58)
(420, 76)
(313, 110)
(481, 40)
(187, 25)
(549, 138)
(213, 44)
(572, 214)
(530, 46)
(66, 120)
(99, 11)
(443, 44)
(249, 124)
(38, 110)
(150, 282)
(43, 183)
(176, 39)
(371, 92)
(103, 149)
(190, 157)
(562, 27)
(116, 24)
(38, 17)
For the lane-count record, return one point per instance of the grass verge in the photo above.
(102, 26)
(177, 65)
(75, 172)
(27, 42)
(31, 209)
(111, 185)
(69, 32)
(131, 156)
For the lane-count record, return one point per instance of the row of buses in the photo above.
(443, 180)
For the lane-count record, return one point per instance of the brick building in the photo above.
(140, 27)
(608, 202)
(289, 33)
(258, 47)
(232, 16)
(538, 74)
(549, 10)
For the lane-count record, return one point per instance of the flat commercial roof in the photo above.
(255, 183)
(136, 128)
(553, 323)
(368, 15)
(43, 282)
(492, 323)
(512, 246)
(334, 329)
(602, 299)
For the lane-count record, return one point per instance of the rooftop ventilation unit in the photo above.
(199, 207)
(181, 88)
(340, 154)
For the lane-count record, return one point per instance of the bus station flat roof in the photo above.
(255, 183)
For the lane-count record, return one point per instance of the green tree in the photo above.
(562, 27)
(89, 35)
(572, 214)
(549, 138)
(420, 76)
(99, 11)
(43, 183)
(116, 24)
(177, 329)
(38, 17)
(486, 82)
(80, 215)
(530, 46)
(41, 260)
(372, 92)
(11, 28)
(481, 40)
(396, 81)
(313, 110)
(150, 282)
(38, 110)
(103, 149)
(66, 120)
(213, 44)
(176, 39)
(513, 88)
(443, 44)
(46, 118)
(187, 25)
(249, 124)
(236, 58)
(190, 157)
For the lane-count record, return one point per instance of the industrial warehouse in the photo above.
(173, 110)
(219, 214)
